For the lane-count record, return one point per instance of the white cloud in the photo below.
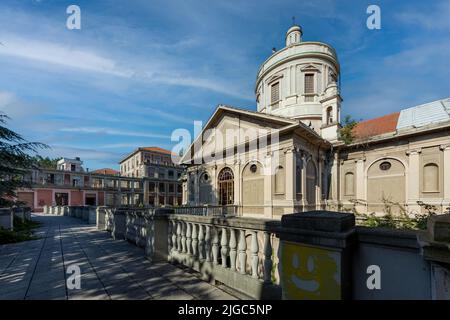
(113, 132)
(16, 108)
(53, 53)
(435, 17)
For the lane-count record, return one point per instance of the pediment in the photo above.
(310, 67)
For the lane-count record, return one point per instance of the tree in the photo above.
(46, 163)
(15, 161)
(346, 132)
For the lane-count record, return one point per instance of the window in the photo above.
(431, 178)
(171, 188)
(309, 83)
(385, 166)
(329, 115)
(72, 167)
(170, 174)
(349, 187)
(226, 187)
(162, 187)
(275, 94)
(280, 177)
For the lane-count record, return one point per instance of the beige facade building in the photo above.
(161, 173)
(287, 157)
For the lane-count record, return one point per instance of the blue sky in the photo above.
(139, 69)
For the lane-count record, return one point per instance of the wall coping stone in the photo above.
(319, 221)
(388, 237)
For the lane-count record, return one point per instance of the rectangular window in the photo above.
(275, 93)
(309, 83)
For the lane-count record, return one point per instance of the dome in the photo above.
(294, 28)
(300, 82)
(294, 35)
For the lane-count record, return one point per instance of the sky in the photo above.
(139, 69)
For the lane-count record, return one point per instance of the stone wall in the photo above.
(6, 218)
(307, 256)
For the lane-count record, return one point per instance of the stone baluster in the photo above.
(188, 238)
(224, 250)
(233, 252)
(201, 242)
(254, 249)
(183, 237)
(179, 236)
(268, 263)
(208, 244)
(194, 241)
(169, 237)
(174, 235)
(215, 245)
(242, 247)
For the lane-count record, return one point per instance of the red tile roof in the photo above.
(107, 171)
(376, 126)
(157, 149)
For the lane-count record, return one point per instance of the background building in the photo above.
(161, 173)
(72, 185)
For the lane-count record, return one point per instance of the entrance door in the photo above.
(62, 199)
(226, 187)
(91, 200)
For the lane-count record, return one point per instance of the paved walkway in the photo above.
(110, 269)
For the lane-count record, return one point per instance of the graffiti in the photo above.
(310, 273)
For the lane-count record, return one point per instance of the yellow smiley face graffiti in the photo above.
(310, 273)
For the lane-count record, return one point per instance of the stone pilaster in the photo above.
(268, 196)
(361, 183)
(290, 175)
(413, 179)
(446, 180)
(237, 182)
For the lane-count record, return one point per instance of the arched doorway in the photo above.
(226, 187)
(386, 186)
(311, 183)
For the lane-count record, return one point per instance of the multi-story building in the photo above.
(161, 173)
(288, 155)
(70, 184)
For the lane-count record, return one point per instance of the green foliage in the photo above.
(23, 231)
(346, 132)
(399, 220)
(45, 163)
(15, 161)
